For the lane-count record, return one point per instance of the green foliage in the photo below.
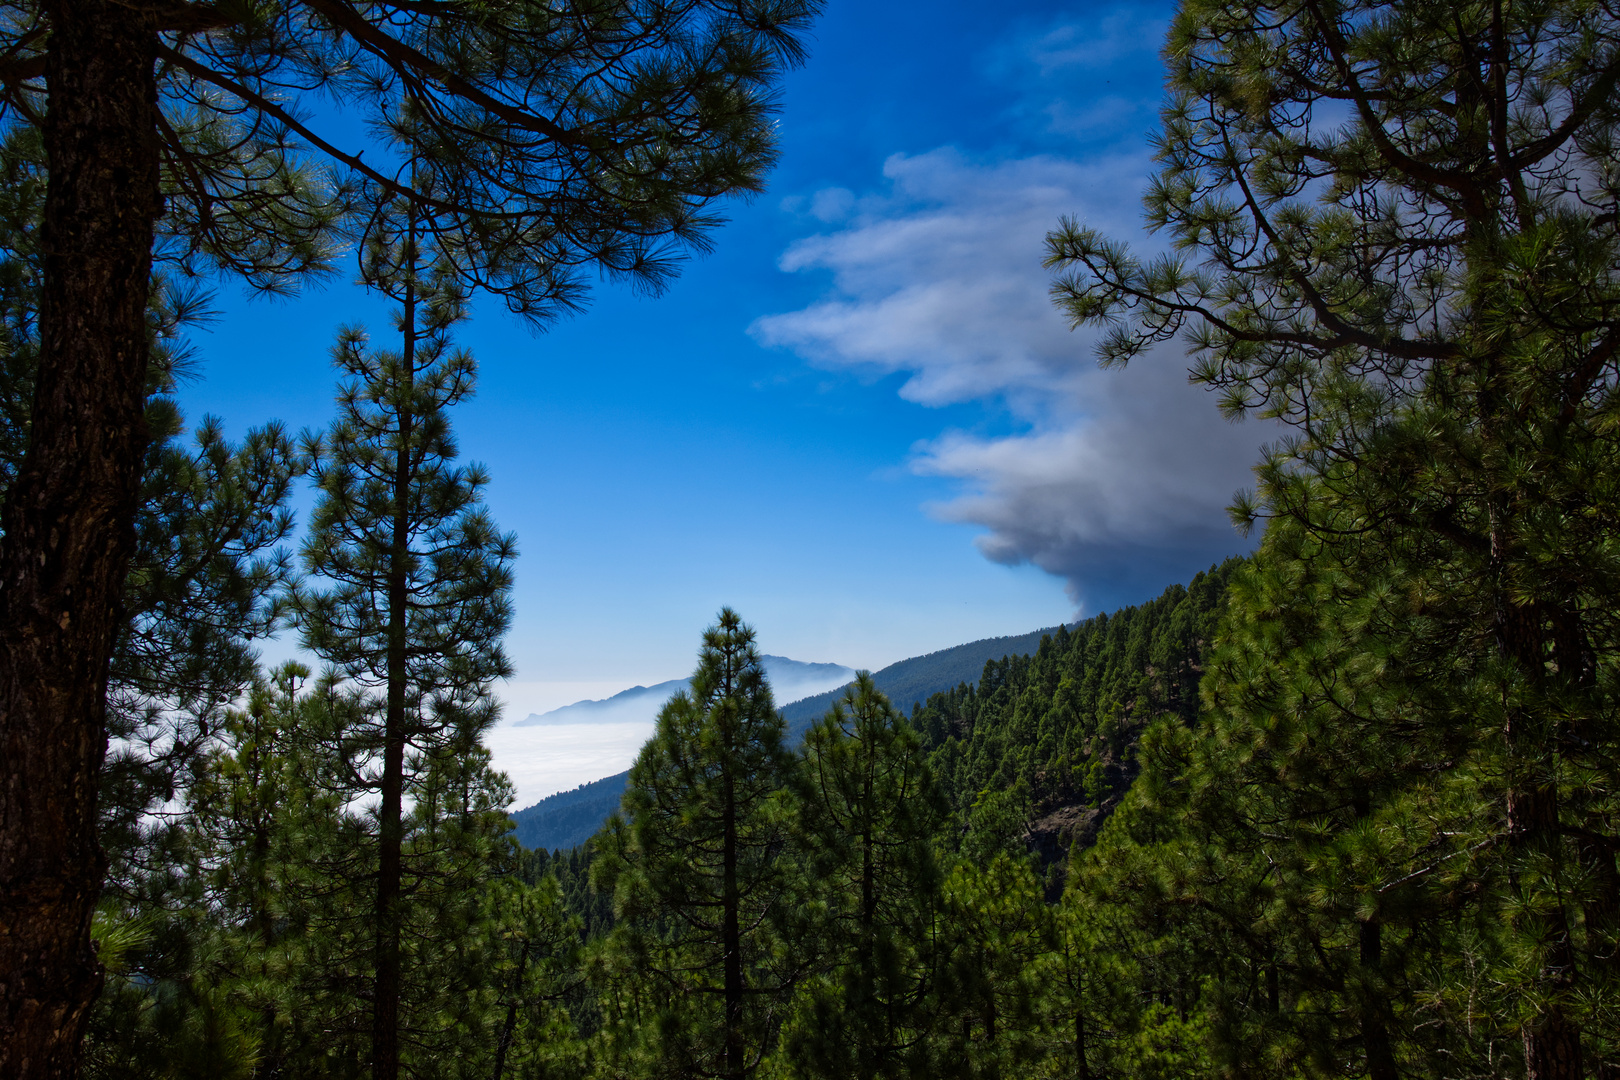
(1391, 230)
(1040, 750)
(995, 929)
(869, 813)
(695, 865)
(216, 971)
(619, 122)
(207, 580)
(537, 969)
(267, 934)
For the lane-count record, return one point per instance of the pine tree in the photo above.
(414, 607)
(696, 866)
(235, 969)
(995, 927)
(870, 814)
(538, 971)
(206, 582)
(566, 138)
(1427, 292)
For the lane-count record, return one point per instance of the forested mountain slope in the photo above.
(1032, 734)
(908, 683)
(568, 818)
(1044, 745)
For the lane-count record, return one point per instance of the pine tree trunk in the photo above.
(1375, 1041)
(68, 523)
(1552, 1043)
(1082, 1065)
(1374, 1032)
(390, 819)
(731, 936)
(510, 1026)
(868, 959)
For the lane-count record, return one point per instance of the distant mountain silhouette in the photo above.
(569, 818)
(607, 710)
(790, 679)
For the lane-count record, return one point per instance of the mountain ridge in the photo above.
(641, 703)
(569, 818)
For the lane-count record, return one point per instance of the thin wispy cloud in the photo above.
(939, 275)
(1081, 78)
(1095, 44)
(1119, 480)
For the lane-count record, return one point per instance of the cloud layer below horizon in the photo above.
(1114, 480)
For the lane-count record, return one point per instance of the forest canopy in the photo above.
(1346, 807)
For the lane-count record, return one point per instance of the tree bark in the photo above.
(731, 935)
(1552, 1042)
(68, 522)
(1374, 1032)
(390, 818)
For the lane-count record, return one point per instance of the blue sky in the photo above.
(859, 421)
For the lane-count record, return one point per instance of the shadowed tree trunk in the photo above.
(390, 817)
(731, 938)
(1552, 1041)
(68, 522)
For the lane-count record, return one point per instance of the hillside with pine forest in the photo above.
(1347, 808)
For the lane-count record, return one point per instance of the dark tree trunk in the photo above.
(1082, 1066)
(1375, 1042)
(68, 522)
(510, 1026)
(731, 936)
(391, 815)
(1374, 1032)
(1552, 1042)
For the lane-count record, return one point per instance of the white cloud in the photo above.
(941, 275)
(1119, 480)
(542, 761)
(832, 204)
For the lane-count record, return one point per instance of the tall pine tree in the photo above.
(696, 864)
(413, 605)
(1394, 229)
(870, 814)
